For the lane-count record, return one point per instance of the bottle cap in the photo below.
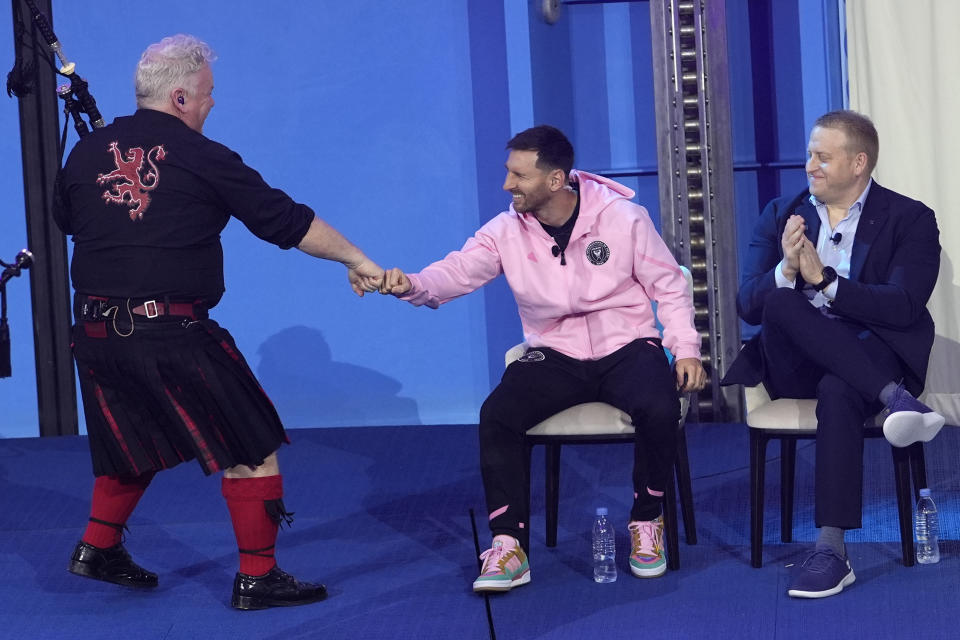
(924, 493)
(601, 511)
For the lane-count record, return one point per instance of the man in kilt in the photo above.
(145, 200)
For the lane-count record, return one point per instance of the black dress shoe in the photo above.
(110, 565)
(276, 588)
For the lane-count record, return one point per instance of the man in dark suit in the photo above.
(838, 279)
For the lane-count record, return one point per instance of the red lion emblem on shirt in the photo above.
(130, 190)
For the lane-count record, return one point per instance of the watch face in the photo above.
(829, 275)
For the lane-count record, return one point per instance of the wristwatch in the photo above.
(829, 275)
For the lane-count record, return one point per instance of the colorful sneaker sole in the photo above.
(502, 582)
(648, 569)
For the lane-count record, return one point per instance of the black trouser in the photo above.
(844, 366)
(637, 379)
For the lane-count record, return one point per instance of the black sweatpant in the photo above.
(637, 379)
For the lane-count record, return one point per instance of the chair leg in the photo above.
(788, 466)
(901, 470)
(670, 524)
(685, 488)
(758, 449)
(918, 467)
(552, 458)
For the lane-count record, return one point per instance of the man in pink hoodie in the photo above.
(584, 264)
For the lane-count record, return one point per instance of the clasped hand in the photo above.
(800, 255)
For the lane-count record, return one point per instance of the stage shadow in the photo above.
(310, 389)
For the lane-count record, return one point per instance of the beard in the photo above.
(530, 202)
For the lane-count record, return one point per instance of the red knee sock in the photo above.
(114, 498)
(248, 500)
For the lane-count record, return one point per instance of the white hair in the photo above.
(168, 65)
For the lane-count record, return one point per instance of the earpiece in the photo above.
(180, 99)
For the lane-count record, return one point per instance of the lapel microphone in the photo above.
(557, 251)
(836, 238)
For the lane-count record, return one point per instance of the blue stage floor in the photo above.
(383, 518)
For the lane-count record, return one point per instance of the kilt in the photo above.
(171, 391)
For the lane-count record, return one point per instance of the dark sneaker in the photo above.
(908, 420)
(110, 565)
(276, 588)
(824, 573)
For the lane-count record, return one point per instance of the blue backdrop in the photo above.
(390, 120)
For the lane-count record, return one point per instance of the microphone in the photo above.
(555, 250)
(24, 259)
(835, 238)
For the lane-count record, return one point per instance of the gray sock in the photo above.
(832, 538)
(886, 394)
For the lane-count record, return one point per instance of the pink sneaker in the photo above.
(504, 566)
(646, 553)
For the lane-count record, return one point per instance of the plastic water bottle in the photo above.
(927, 529)
(604, 549)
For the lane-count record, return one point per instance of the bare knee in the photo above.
(270, 467)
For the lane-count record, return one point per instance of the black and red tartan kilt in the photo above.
(172, 391)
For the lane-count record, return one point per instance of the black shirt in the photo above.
(145, 200)
(561, 234)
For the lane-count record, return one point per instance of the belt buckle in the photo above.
(150, 308)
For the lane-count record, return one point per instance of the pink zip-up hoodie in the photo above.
(600, 300)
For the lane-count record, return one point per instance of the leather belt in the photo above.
(95, 308)
(153, 309)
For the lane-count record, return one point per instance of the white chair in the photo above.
(789, 420)
(601, 423)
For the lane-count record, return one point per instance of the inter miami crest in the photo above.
(598, 252)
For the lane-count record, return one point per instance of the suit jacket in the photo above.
(893, 268)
